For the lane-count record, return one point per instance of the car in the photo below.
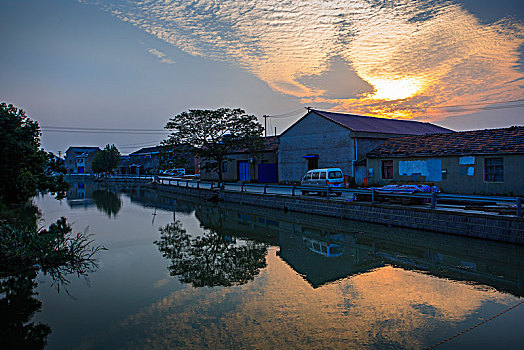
(331, 178)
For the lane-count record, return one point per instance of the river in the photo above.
(183, 273)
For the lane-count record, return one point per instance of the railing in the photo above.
(294, 190)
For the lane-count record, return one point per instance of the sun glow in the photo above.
(395, 89)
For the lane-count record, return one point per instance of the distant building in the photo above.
(480, 162)
(241, 166)
(78, 159)
(149, 160)
(326, 140)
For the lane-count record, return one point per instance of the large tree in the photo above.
(106, 160)
(216, 133)
(24, 167)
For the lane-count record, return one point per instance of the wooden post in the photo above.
(519, 207)
(293, 190)
(265, 189)
(372, 195)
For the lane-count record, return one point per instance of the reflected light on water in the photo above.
(388, 307)
(421, 54)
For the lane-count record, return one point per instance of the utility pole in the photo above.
(59, 154)
(265, 125)
(275, 131)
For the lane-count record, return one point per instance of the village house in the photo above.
(149, 160)
(488, 162)
(337, 140)
(241, 166)
(78, 159)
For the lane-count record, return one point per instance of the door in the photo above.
(267, 173)
(244, 171)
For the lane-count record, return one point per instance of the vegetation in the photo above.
(216, 133)
(210, 260)
(108, 202)
(25, 169)
(106, 160)
(54, 250)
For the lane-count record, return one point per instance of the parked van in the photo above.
(329, 177)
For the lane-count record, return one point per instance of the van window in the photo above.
(308, 176)
(335, 174)
(315, 176)
(323, 175)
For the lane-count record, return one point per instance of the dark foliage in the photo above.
(107, 201)
(216, 133)
(24, 168)
(106, 160)
(211, 259)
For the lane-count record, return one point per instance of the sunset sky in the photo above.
(123, 64)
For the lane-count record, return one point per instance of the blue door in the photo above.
(244, 171)
(267, 173)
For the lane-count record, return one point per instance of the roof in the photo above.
(381, 125)
(146, 150)
(83, 149)
(489, 141)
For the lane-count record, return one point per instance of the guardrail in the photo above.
(374, 194)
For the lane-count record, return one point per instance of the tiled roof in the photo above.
(270, 144)
(489, 141)
(82, 149)
(381, 125)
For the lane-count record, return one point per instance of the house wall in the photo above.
(71, 165)
(462, 174)
(231, 173)
(314, 135)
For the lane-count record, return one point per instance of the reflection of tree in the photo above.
(17, 308)
(211, 259)
(107, 201)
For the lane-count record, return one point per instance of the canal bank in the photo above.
(463, 223)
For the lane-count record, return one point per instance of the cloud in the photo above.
(161, 56)
(417, 56)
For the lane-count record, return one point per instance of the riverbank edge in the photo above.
(476, 225)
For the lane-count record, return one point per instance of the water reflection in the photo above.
(286, 280)
(107, 201)
(329, 249)
(212, 259)
(18, 306)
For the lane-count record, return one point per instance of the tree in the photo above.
(106, 160)
(212, 259)
(216, 133)
(24, 167)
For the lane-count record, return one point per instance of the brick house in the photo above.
(78, 159)
(241, 166)
(487, 162)
(325, 140)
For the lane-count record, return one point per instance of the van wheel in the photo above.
(305, 193)
(338, 194)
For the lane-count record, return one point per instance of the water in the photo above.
(228, 276)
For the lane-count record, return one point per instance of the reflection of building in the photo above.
(366, 246)
(79, 194)
(78, 159)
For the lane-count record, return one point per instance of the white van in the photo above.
(329, 177)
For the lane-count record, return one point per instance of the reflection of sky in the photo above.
(401, 58)
(385, 308)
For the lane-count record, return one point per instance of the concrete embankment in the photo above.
(478, 225)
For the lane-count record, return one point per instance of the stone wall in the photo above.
(485, 226)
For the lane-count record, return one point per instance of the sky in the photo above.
(94, 72)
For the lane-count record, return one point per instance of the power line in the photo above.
(95, 129)
(107, 132)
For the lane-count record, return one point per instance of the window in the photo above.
(493, 170)
(315, 176)
(308, 176)
(323, 175)
(335, 174)
(387, 169)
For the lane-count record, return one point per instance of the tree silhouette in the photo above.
(17, 308)
(210, 260)
(107, 201)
